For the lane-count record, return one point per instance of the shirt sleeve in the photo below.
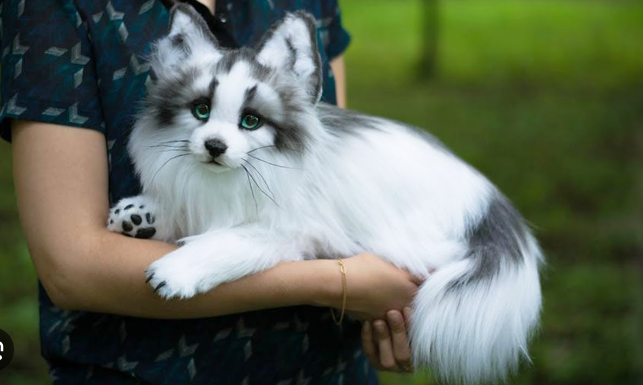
(47, 72)
(334, 37)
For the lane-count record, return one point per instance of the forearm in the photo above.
(111, 280)
(339, 72)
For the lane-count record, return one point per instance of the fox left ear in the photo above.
(188, 36)
(292, 43)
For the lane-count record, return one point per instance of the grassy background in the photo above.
(546, 98)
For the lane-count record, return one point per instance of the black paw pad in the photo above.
(136, 219)
(145, 233)
(149, 278)
(128, 207)
(150, 219)
(127, 226)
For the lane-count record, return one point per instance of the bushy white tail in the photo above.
(474, 322)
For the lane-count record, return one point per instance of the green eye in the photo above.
(201, 111)
(250, 122)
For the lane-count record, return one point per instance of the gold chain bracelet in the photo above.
(342, 269)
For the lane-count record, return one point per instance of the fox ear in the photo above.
(188, 34)
(292, 44)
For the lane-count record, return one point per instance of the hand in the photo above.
(386, 343)
(375, 286)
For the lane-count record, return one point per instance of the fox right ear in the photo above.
(291, 44)
(188, 35)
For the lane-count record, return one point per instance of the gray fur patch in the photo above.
(293, 53)
(166, 99)
(233, 57)
(178, 41)
(249, 95)
(261, 72)
(213, 85)
(290, 137)
(342, 122)
(495, 241)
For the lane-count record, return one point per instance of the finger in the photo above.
(408, 313)
(416, 279)
(384, 343)
(400, 341)
(368, 344)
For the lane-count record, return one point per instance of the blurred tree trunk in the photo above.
(429, 39)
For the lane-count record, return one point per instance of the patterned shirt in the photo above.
(80, 63)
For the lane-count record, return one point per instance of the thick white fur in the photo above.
(385, 190)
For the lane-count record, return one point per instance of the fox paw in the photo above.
(134, 217)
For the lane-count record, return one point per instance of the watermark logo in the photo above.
(6, 349)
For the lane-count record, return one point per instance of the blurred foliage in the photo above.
(546, 98)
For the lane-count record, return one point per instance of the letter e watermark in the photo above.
(6, 349)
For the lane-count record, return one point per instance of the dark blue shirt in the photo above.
(80, 63)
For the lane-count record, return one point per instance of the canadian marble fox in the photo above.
(240, 161)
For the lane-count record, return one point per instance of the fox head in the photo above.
(214, 106)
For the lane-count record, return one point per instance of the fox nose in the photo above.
(215, 147)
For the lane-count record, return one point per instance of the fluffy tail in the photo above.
(473, 318)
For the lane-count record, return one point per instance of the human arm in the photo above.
(339, 72)
(61, 184)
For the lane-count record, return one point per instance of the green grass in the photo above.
(546, 98)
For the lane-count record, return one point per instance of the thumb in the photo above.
(416, 279)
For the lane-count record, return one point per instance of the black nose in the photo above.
(215, 147)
